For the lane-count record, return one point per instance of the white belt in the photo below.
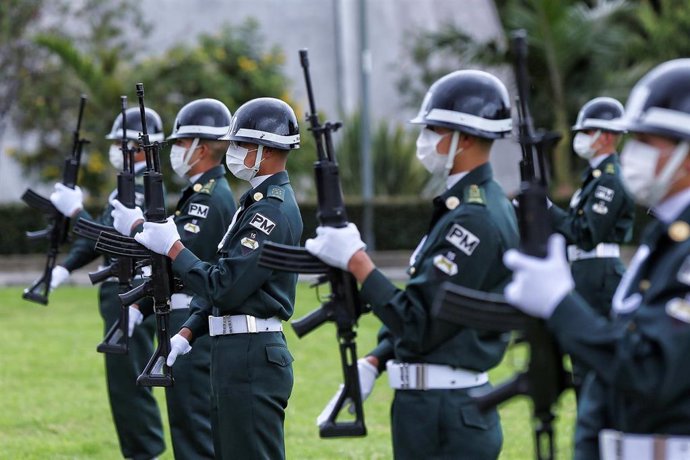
(601, 250)
(180, 301)
(614, 445)
(417, 376)
(242, 324)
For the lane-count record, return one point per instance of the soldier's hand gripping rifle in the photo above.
(116, 340)
(343, 306)
(159, 285)
(545, 378)
(58, 228)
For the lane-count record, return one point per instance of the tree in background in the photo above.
(100, 59)
(16, 19)
(573, 47)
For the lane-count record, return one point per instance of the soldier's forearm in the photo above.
(175, 250)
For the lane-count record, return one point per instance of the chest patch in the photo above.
(604, 193)
(462, 239)
(199, 210)
(600, 208)
(249, 243)
(679, 309)
(191, 227)
(575, 200)
(444, 264)
(263, 223)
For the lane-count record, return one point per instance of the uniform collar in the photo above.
(454, 179)
(668, 210)
(599, 160)
(213, 173)
(478, 175)
(279, 178)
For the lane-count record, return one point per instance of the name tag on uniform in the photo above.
(463, 239)
(198, 210)
(263, 223)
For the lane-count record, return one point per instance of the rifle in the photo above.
(545, 378)
(160, 284)
(343, 306)
(58, 229)
(116, 340)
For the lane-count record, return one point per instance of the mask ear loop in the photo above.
(258, 159)
(663, 181)
(453, 150)
(190, 151)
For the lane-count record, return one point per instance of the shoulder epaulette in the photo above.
(474, 194)
(275, 191)
(208, 187)
(610, 169)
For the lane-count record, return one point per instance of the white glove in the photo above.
(58, 276)
(539, 285)
(66, 200)
(178, 346)
(124, 218)
(159, 237)
(367, 378)
(335, 246)
(135, 319)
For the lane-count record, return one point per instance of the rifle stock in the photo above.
(57, 230)
(343, 307)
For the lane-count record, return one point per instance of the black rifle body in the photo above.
(58, 229)
(343, 306)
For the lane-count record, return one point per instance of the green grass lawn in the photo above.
(54, 404)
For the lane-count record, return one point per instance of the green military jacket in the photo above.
(472, 226)
(83, 250)
(236, 284)
(601, 211)
(641, 356)
(202, 214)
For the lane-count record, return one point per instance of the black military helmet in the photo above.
(598, 113)
(470, 101)
(265, 121)
(203, 118)
(154, 125)
(660, 102)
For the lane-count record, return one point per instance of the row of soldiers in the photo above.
(233, 386)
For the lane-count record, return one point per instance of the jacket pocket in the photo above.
(278, 354)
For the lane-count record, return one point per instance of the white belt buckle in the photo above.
(227, 325)
(404, 375)
(251, 324)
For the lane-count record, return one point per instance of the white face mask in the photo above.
(434, 162)
(638, 171)
(583, 142)
(179, 157)
(234, 158)
(115, 156)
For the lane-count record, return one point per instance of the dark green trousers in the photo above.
(189, 400)
(443, 424)
(596, 281)
(591, 418)
(134, 409)
(251, 379)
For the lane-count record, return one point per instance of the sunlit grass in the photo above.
(54, 402)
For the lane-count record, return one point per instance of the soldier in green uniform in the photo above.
(473, 224)
(638, 358)
(601, 212)
(241, 305)
(134, 409)
(202, 214)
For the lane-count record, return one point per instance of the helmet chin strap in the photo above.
(190, 151)
(453, 150)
